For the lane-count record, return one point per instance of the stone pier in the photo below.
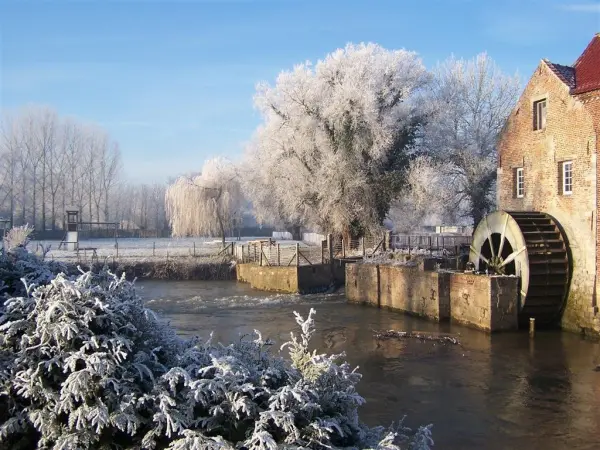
(485, 302)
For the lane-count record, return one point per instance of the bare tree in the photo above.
(45, 125)
(10, 151)
(471, 100)
(110, 167)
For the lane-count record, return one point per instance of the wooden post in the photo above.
(194, 248)
(388, 240)
(261, 255)
(362, 244)
(297, 254)
(343, 249)
(531, 327)
(278, 255)
(443, 247)
(330, 247)
(232, 248)
(383, 247)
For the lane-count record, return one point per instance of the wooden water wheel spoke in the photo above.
(530, 245)
(503, 235)
(510, 258)
(479, 255)
(489, 232)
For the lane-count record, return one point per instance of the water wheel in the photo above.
(530, 245)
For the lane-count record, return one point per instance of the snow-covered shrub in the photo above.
(19, 268)
(17, 237)
(84, 365)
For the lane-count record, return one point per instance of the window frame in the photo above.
(520, 182)
(568, 164)
(540, 114)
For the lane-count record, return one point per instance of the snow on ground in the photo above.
(140, 248)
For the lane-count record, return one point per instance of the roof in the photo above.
(565, 73)
(587, 67)
(584, 75)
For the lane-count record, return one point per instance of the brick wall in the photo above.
(570, 135)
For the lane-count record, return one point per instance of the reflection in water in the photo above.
(494, 392)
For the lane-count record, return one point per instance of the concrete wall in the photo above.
(487, 303)
(302, 279)
(313, 278)
(269, 278)
(570, 135)
(402, 288)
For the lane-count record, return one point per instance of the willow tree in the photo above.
(332, 134)
(206, 204)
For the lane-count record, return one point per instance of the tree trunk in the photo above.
(221, 227)
(44, 190)
(34, 200)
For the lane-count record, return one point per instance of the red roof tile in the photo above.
(587, 68)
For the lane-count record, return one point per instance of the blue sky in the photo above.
(173, 81)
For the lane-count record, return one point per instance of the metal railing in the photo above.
(269, 253)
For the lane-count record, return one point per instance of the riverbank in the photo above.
(170, 269)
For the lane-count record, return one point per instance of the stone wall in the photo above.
(487, 303)
(569, 135)
(484, 302)
(274, 278)
(402, 288)
(292, 279)
(314, 278)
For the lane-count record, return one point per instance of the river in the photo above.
(504, 391)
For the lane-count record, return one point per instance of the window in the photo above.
(567, 177)
(520, 182)
(539, 114)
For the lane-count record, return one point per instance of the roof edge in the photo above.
(596, 36)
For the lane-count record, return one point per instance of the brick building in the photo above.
(548, 163)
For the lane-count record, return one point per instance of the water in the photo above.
(499, 392)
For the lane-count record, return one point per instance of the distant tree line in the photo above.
(49, 163)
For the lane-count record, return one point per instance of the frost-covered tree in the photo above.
(335, 138)
(471, 101)
(205, 204)
(428, 196)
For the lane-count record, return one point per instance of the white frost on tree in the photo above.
(207, 204)
(471, 101)
(427, 198)
(332, 136)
